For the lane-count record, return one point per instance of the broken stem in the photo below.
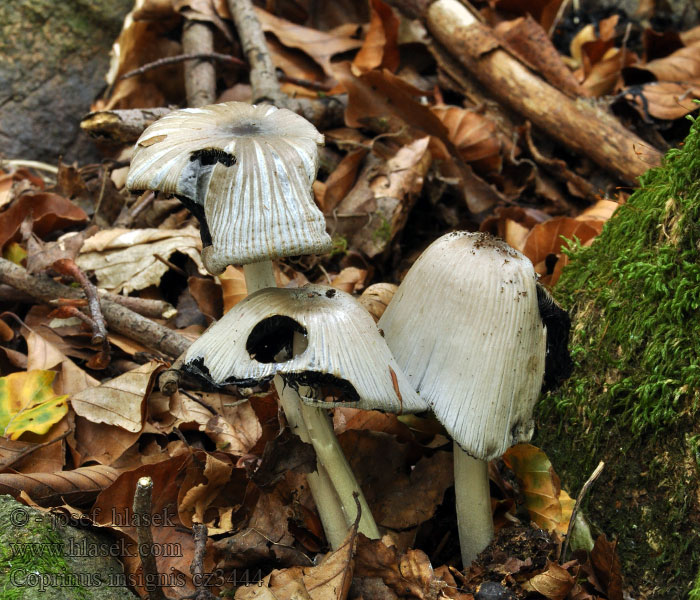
(334, 483)
(473, 497)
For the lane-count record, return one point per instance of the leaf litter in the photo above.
(409, 159)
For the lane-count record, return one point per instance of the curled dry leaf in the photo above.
(48, 212)
(350, 280)
(553, 583)
(667, 99)
(197, 493)
(606, 565)
(532, 44)
(341, 180)
(377, 207)
(79, 486)
(410, 575)
(548, 505)
(125, 259)
(377, 297)
(473, 135)
(120, 401)
(233, 287)
(319, 45)
(329, 580)
(234, 430)
(380, 48)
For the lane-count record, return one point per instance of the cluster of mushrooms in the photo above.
(466, 336)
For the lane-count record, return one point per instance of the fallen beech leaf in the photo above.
(409, 495)
(546, 238)
(120, 401)
(124, 259)
(350, 280)
(377, 207)
(380, 48)
(341, 180)
(286, 452)
(409, 575)
(234, 430)
(544, 11)
(319, 45)
(606, 565)
(208, 296)
(682, 65)
(540, 486)
(667, 99)
(233, 287)
(329, 580)
(266, 536)
(195, 497)
(377, 297)
(532, 44)
(553, 583)
(79, 486)
(49, 212)
(345, 419)
(473, 135)
(604, 75)
(29, 404)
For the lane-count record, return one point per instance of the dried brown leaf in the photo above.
(233, 287)
(553, 583)
(120, 401)
(79, 486)
(606, 565)
(48, 212)
(380, 47)
(341, 180)
(377, 297)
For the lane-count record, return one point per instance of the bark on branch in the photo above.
(119, 318)
(577, 124)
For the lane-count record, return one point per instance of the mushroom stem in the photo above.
(474, 519)
(334, 484)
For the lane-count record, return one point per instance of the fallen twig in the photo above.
(142, 517)
(118, 317)
(171, 60)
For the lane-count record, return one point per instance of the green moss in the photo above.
(634, 397)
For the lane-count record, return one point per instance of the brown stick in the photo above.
(121, 126)
(143, 517)
(263, 78)
(577, 124)
(200, 75)
(119, 318)
(198, 55)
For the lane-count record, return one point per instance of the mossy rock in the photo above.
(42, 557)
(633, 400)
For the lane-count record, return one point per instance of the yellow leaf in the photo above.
(547, 504)
(14, 253)
(28, 403)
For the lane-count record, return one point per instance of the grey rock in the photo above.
(53, 58)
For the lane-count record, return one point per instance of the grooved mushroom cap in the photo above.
(245, 171)
(344, 349)
(465, 328)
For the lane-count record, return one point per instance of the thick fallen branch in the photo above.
(121, 126)
(200, 75)
(119, 318)
(577, 124)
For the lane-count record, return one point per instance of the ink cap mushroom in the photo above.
(245, 172)
(465, 328)
(343, 355)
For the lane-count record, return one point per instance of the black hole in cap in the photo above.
(211, 156)
(271, 337)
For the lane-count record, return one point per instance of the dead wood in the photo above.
(200, 75)
(577, 124)
(119, 318)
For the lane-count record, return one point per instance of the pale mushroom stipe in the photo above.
(465, 328)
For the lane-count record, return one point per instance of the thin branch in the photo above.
(119, 318)
(142, 517)
(199, 534)
(67, 266)
(170, 60)
(584, 490)
(200, 76)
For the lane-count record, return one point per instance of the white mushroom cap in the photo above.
(248, 169)
(465, 328)
(252, 343)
